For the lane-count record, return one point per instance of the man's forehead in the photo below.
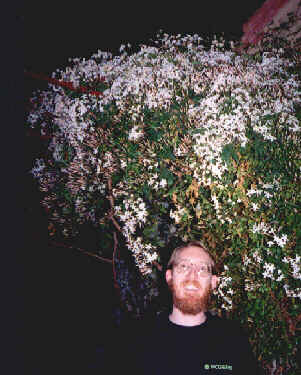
(189, 260)
(194, 253)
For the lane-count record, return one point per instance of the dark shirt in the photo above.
(157, 346)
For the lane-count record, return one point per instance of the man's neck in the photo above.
(187, 320)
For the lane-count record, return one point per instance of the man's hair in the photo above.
(176, 252)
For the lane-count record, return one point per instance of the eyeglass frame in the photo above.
(199, 272)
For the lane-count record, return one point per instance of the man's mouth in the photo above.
(191, 288)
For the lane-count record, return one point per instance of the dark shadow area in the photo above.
(69, 299)
(68, 312)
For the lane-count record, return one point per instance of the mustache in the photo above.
(193, 283)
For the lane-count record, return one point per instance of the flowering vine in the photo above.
(188, 140)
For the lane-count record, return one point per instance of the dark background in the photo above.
(70, 296)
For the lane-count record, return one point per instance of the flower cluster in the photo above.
(133, 215)
(37, 170)
(135, 134)
(224, 290)
(295, 265)
(178, 214)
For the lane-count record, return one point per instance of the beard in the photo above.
(190, 303)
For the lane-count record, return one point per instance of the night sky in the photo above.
(71, 295)
(57, 30)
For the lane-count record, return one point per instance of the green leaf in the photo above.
(167, 175)
(229, 152)
(150, 230)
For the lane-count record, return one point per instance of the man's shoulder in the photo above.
(223, 322)
(152, 322)
(226, 329)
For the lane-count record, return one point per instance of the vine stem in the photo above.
(111, 216)
(59, 244)
(69, 85)
(292, 323)
(117, 226)
(113, 262)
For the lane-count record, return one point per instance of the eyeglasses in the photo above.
(184, 267)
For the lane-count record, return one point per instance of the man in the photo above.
(188, 340)
(189, 277)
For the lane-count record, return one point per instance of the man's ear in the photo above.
(168, 276)
(214, 282)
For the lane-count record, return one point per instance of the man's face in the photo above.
(191, 291)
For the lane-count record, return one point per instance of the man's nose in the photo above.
(193, 273)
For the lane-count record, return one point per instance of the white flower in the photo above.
(292, 293)
(281, 241)
(269, 270)
(280, 277)
(180, 151)
(254, 191)
(257, 257)
(295, 265)
(247, 261)
(123, 164)
(267, 194)
(141, 216)
(135, 134)
(255, 206)
(141, 206)
(163, 183)
(37, 171)
(267, 186)
(260, 228)
(178, 214)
